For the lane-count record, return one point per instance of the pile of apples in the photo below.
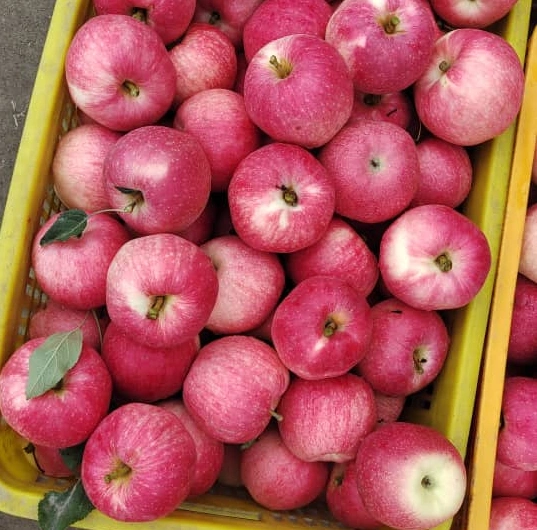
(259, 240)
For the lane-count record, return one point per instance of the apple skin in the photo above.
(201, 229)
(120, 458)
(459, 98)
(340, 252)
(410, 476)
(233, 386)
(218, 119)
(511, 482)
(250, 283)
(527, 265)
(143, 373)
(61, 417)
(273, 19)
(512, 512)
(369, 161)
(410, 363)
(209, 451)
(281, 198)
(389, 408)
(382, 58)
(276, 478)
(516, 439)
(169, 18)
(309, 89)
(50, 462)
(77, 166)
(432, 257)
(326, 420)
(161, 289)
(322, 328)
(344, 501)
(157, 165)
(468, 15)
(73, 272)
(106, 51)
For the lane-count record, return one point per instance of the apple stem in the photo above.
(156, 307)
(131, 88)
(444, 263)
(121, 470)
(444, 66)
(139, 13)
(330, 327)
(419, 360)
(276, 416)
(391, 23)
(289, 195)
(282, 68)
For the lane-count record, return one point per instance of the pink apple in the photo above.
(518, 429)
(410, 363)
(169, 18)
(326, 420)
(73, 272)
(276, 478)
(234, 386)
(433, 257)
(470, 15)
(149, 175)
(321, 328)
(458, 98)
(77, 166)
(509, 481)
(385, 44)
(218, 119)
(410, 476)
(201, 229)
(446, 173)
(281, 198)
(230, 472)
(297, 89)
(122, 454)
(63, 416)
(250, 283)
(50, 462)
(209, 451)
(389, 408)
(512, 512)
(273, 19)
(144, 373)
(344, 501)
(340, 252)
(204, 58)
(370, 161)
(119, 73)
(161, 289)
(527, 265)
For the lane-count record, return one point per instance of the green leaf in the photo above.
(70, 223)
(59, 510)
(72, 456)
(51, 360)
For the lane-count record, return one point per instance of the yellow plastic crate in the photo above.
(448, 405)
(489, 398)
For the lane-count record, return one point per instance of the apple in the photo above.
(386, 45)
(49, 461)
(234, 386)
(321, 328)
(144, 373)
(119, 73)
(273, 19)
(63, 416)
(209, 451)
(327, 419)
(217, 118)
(77, 166)
(281, 198)
(297, 89)
(370, 161)
(446, 173)
(389, 408)
(340, 252)
(121, 459)
(73, 272)
(201, 229)
(512, 512)
(470, 15)
(169, 18)
(518, 430)
(250, 283)
(161, 289)
(433, 257)
(459, 98)
(204, 58)
(159, 178)
(276, 478)
(509, 481)
(410, 476)
(412, 361)
(343, 498)
(527, 265)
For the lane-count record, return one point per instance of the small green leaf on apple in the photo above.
(70, 223)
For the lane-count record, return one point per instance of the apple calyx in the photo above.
(157, 306)
(427, 482)
(289, 195)
(443, 262)
(444, 66)
(121, 471)
(139, 13)
(282, 67)
(130, 88)
(390, 23)
(419, 360)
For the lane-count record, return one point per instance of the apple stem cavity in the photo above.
(419, 360)
(443, 262)
(130, 88)
(122, 470)
(390, 24)
(330, 327)
(289, 195)
(282, 68)
(156, 307)
(139, 13)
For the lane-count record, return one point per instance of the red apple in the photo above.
(121, 459)
(527, 265)
(389, 408)
(119, 73)
(50, 462)
(509, 481)
(201, 229)
(297, 89)
(470, 15)
(512, 512)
